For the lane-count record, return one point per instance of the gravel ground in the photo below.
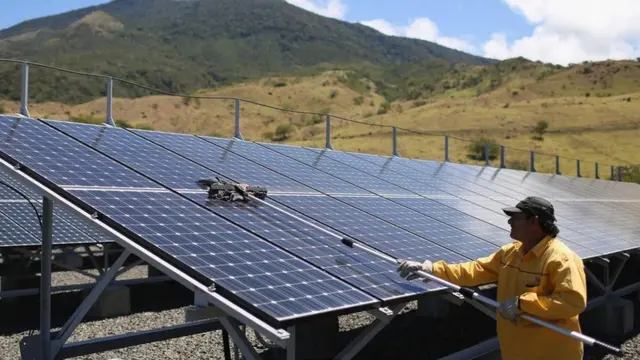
(407, 336)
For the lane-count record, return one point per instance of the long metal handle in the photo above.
(466, 292)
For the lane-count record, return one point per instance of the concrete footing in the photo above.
(614, 317)
(114, 301)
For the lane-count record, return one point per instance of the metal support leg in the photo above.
(368, 334)
(532, 161)
(502, 159)
(579, 174)
(239, 339)
(597, 171)
(88, 302)
(558, 165)
(45, 278)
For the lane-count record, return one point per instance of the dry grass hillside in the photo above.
(591, 110)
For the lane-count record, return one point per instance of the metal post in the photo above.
(24, 94)
(236, 132)
(612, 174)
(486, 154)
(395, 142)
(45, 278)
(502, 159)
(578, 167)
(109, 120)
(532, 161)
(446, 148)
(327, 136)
(597, 171)
(558, 165)
(619, 173)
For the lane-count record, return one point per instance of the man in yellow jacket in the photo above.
(536, 274)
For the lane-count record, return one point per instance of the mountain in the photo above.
(182, 46)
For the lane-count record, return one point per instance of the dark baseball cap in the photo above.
(532, 205)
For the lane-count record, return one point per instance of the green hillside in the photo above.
(182, 46)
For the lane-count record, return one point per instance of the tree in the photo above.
(476, 149)
(540, 129)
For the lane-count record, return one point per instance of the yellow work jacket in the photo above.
(550, 283)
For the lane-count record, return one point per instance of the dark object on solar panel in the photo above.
(222, 190)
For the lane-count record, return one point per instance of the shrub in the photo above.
(283, 131)
(476, 149)
(541, 128)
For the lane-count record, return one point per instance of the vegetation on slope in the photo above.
(182, 46)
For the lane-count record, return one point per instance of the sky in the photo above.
(554, 31)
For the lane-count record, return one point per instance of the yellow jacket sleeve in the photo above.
(472, 273)
(569, 297)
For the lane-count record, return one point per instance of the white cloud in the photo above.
(420, 28)
(330, 8)
(569, 31)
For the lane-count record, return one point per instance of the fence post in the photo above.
(532, 161)
(558, 165)
(619, 173)
(236, 132)
(395, 142)
(446, 148)
(24, 93)
(502, 159)
(109, 119)
(597, 171)
(327, 136)
(486, 154)
(612, 174)
(578, 168)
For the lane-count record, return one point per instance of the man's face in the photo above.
(521, 224)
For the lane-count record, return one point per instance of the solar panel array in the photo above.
(20, 217)
(143, 184)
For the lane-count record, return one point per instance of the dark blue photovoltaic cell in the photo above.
(346, 173)
(159, 164)
(274, 281)
(288, 167)
(368, 229)
(60, 160)
(359, 268)
(23, 213)
(231, 165)
(13, 234)
(68, 228)
(421, 225)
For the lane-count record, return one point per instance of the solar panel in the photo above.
(325, 161)
(60, 161)
(13, 234)
(288, 167)
(68, 228)
(367, 229)
(191, 237)
(338, 170)
(225, 162)
(358, 267)
(442, 234)
(481, 207)
(169, 169)
(278, 283)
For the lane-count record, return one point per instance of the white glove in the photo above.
(407, 267)
(509, 309)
